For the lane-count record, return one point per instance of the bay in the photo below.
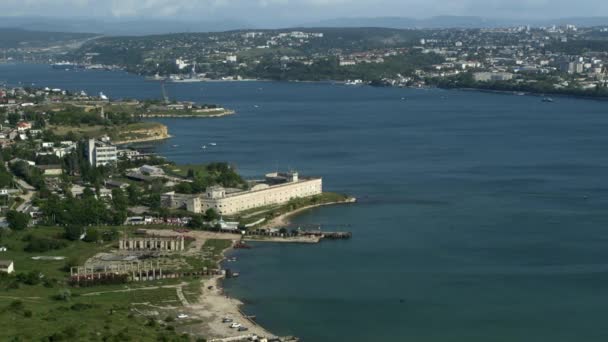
(481, 217)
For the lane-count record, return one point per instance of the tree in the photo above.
(196, 222)
(72, 232)
(119, 200)
(17, 220)
(92, 235)
(211, 215)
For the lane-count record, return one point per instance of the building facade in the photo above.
(278, 188)
(101, 153)
(152, 243)
(7, 266)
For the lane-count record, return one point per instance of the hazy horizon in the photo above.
(273, 13)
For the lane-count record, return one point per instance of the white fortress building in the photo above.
(277, 188)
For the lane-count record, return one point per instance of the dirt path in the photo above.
(178, 286)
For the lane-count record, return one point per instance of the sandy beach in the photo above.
(213, 306)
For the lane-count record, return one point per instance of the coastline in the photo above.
(199, 115)
(213, 304)
(142, 140)
(284, 219)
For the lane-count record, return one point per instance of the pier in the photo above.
(327, 235)
(284, 234)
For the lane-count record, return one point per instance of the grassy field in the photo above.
(182, 170)
(78, 251)
(48, 309)
(38, 316)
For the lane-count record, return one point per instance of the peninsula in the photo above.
(93, 228)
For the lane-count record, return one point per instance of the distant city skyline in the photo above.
(274, 13)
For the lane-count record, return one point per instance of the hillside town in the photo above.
(557, 59)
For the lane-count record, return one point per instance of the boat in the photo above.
(547, 99)
(174, 146)
(65, 66)
(204, 147)
(241, 245)
(213, 144)
(156, 77)
(354, 82)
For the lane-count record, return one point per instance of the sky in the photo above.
(267, 11)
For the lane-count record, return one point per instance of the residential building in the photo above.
(7, 266)
(50, 170)
(492, 76)
(101, 153)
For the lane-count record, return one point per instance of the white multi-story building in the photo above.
(278, 188)
(101, 153)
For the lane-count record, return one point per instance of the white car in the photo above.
(182, 316)
(235, 325)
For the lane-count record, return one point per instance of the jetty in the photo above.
(295, 235)
(327, 235)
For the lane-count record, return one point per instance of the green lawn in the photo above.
(77, 250)
(182, 170)
(33, 312)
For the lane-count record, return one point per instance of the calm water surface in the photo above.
(482, 217)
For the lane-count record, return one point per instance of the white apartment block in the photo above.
(100, 153)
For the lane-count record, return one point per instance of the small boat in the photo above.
(547, 99)
(204, 147)
(242, 245)
(213, 144)
(174, 146)
(256, 106)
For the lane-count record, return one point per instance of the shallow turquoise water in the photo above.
(482, 217)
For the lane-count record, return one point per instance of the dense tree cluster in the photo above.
(214, 174)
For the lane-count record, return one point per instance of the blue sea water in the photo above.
(482, 217)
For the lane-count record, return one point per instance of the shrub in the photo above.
(64, 295)
(30, 278)
(42, 245)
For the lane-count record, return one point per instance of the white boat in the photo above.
(204, 147)
(213, 144)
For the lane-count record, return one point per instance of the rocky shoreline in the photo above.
(194, 115)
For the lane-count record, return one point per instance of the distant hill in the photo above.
(14, 37)
(141, 27)
(116, 27)
(453, 22)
